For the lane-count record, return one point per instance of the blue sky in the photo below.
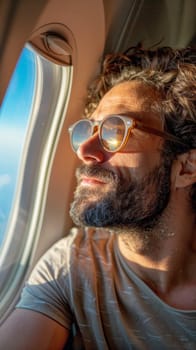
(14, 116)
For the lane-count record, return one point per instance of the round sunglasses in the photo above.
(113, 131)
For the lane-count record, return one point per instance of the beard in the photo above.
(127, 204)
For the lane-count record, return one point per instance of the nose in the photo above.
(91, 151)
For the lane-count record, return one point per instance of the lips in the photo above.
(91, 181)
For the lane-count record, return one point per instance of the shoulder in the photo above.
(73, 250)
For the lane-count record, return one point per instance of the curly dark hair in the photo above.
(172, 72)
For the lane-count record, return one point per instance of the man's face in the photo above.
(129, 188)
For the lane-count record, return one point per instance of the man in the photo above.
(126, 279)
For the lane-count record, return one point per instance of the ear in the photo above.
(186, 169)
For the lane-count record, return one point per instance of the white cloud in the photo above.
(5, 180)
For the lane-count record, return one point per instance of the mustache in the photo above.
(96, 171)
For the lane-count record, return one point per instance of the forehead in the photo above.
(134, 97)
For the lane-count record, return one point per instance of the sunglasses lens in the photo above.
(112, 133)
(80, 133)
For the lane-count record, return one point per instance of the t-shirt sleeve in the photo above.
(48, 289)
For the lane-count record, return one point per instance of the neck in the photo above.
(165, 256)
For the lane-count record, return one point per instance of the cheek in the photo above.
(134, 165)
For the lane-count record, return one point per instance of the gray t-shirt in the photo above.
(84, 280)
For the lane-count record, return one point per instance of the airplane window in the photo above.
(14, 118)
(31, 121)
